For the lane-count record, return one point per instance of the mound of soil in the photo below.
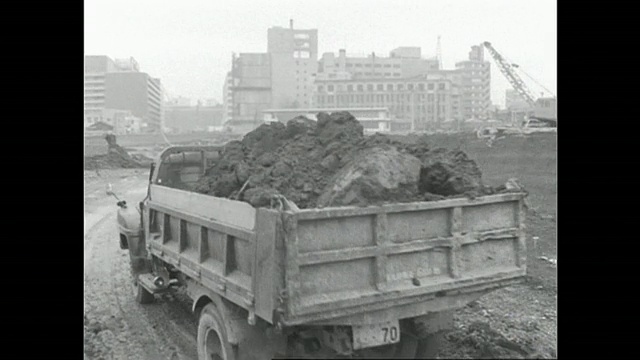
(331, 163)
(487, 343)
(116, 158)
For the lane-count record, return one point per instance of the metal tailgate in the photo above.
(341, 259)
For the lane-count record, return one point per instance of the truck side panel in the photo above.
(235, 213)
(222, 252)
(218, 254)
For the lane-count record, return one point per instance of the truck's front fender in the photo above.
(129, 221)
(132, 238)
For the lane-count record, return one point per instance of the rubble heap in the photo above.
(116, 158)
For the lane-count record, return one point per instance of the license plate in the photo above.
(371, 335)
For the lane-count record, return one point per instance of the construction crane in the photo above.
(507, 70)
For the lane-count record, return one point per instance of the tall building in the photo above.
(227, 98)
(137, 92)
(419, 103)
(95, 69)
(129, 64)
(119, 85)
(402, 62)
(294, 64)
(475, 84)
(251, 90)
(280, 78)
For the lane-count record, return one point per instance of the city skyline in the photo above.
(190, 47)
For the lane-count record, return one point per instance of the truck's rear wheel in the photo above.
(212, 337)
(142, 295)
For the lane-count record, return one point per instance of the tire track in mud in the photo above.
(116, 326)
(100, 302)
(174, 340)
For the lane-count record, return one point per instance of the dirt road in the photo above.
(116, 327)
(517, 322)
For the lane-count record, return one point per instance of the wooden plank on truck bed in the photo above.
(235, 213)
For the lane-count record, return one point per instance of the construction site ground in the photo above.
(516, 322)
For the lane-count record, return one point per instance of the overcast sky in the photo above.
(188, 43)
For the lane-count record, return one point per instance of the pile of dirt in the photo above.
(116, 158)
(331, 163)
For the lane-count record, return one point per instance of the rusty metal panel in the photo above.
(337, 233)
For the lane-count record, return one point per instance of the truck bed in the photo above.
(339, 263)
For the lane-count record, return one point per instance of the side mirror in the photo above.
(109, 189)
(110, 192)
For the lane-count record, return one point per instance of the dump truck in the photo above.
(375, 281)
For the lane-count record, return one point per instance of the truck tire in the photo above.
(142, 295)
(212, 338)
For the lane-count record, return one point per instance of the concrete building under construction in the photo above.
(251, 90)
(475, 84)
(294, 62)
(282, 77)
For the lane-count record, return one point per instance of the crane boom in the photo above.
(513, 78)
